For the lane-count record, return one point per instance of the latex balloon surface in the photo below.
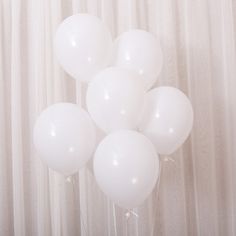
(64, 136)
(167, 118)
(115, 99)
(140, 51)
(126, 167)
(82, 45)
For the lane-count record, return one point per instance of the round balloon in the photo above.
(64, 136)
(140, 51)
(82, 45)
(167, 118)
(115, 99)
(126, 167)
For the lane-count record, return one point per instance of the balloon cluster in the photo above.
(140, 123)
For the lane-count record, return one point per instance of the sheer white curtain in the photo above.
(197, 192)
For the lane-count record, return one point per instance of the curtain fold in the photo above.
(196, 194)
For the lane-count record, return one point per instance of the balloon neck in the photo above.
(169, 159)
(130, 213)
(69, 179)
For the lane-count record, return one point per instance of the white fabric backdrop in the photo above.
(197, 192)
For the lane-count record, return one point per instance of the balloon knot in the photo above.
(68, 179)
(129, 213)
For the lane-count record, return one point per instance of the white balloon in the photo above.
(126, 167)
(64, 136)
(115, 99)
(140, 51)
(167, 118)
(82, 45)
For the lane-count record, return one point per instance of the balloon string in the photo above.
(114, 218)
(71, 180)
(83, 223)
(127, 228)
(157, 195)
(165, 159)
(128, 215)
